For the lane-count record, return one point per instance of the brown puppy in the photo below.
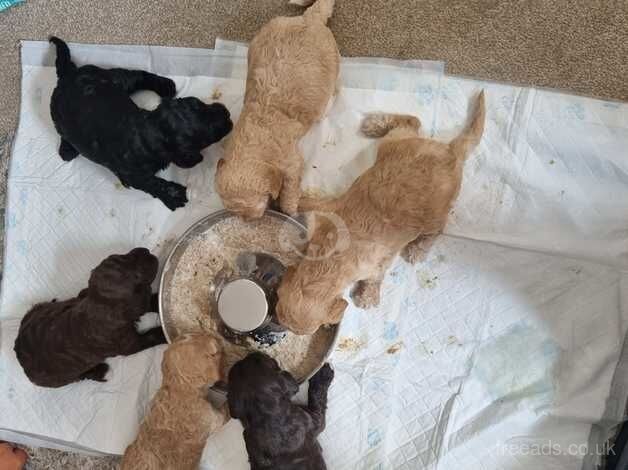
(175, 431)
(293, 67)
(62, 342)
(400, 203)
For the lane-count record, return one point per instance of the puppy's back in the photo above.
(44, 343)
(293, 67)
(174, 433)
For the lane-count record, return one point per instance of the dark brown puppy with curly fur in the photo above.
(62, 342)
(279, 435)
(93, 112)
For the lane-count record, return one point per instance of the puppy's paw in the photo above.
(323, 377)
(365, 294)
(413, 254)
(289, 207)
(174, 196)
(97, 373)
(153, 337)
(165, 87)
(379, 124)
(67, 152)
(374, 125)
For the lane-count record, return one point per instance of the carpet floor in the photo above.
(577, 45)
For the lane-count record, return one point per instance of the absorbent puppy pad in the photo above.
(509, 335)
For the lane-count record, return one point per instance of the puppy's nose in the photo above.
(139, 252)
(220, 108)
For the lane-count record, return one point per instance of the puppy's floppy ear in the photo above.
(109, 281)
(337, 310)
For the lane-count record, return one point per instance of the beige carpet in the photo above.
(576, 45)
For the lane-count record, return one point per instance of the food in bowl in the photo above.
(192, 276)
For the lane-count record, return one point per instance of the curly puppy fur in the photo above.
(293, 68)
(95, 116)
(63, 342)
(175, 431)
(400, 204)
(278, 434)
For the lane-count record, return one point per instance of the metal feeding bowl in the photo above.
(242, 293)
(245, 301)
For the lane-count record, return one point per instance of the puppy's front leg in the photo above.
(317, 397)
(366, 292)
(187, 161)
(173, 195)
(291, 189)
(96, 373)
(153, 337)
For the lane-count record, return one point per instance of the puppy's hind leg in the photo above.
(380, 124)
(67, 152)
(134, 80)
(96, 373)
(154, 302)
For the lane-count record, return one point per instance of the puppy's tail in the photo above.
(319, 12)
(470, 137)
(64, 62)
(379, 124)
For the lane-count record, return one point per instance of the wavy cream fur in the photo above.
(293, 67)
(400, 204)
(175, 430)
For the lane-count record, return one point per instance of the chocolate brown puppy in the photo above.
(62, 342)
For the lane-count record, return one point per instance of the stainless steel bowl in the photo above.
(179, 248)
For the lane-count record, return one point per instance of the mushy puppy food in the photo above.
(189, 305)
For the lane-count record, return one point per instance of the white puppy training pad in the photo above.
(475, 356)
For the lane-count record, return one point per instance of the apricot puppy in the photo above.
(173, 434)
(398, 205)
(293, 68)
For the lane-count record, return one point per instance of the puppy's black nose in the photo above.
(220, 109)
(139, 252)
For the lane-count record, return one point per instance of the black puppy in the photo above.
(279, 435)
(95, 116)
(62, 342)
